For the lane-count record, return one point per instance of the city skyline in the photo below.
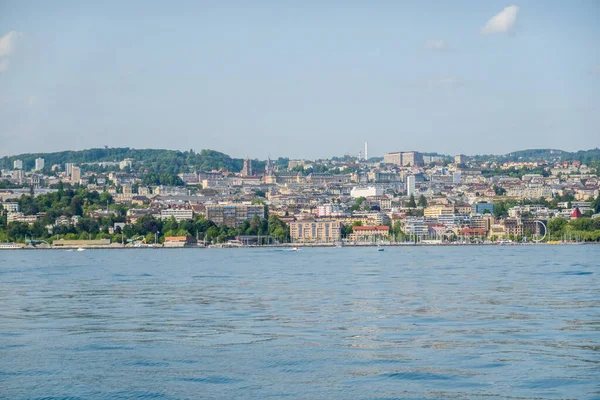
(310, 81)
(358, 154)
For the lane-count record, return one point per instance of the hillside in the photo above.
(170, 161)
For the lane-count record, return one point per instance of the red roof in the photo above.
(470, 231)
(371, 228)
(576, 213)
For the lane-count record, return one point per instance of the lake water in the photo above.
(351, 323)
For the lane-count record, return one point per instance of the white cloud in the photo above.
(3, 65)
(7, 43)
(501, 22)
(435, 44)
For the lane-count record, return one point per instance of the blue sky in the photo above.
(301, 79)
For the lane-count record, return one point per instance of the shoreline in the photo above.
(300, 245)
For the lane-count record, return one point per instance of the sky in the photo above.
(300, 79)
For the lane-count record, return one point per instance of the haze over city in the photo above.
(300, 80)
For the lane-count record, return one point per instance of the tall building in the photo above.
(456, 178)
(460, 159)
(39, 164)
(366, 151)
(412, 159)
(393, 158)
(75, 174)
(247, 169)
(69, 168)
(410, 185)
(18, 164)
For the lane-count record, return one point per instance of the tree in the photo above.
(422, 201)
(411, 202)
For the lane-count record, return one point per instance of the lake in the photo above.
(475, 322)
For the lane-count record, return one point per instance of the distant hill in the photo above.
(171, 161)
(174, 161)
(551, 155)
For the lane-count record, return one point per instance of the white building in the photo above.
(410, 185)
(18, 164)
(329, 210)
(39, 164)
(11, 207)
(456, 178)
(366, 191)
(128, 162)
(180, 214)
(68, 168)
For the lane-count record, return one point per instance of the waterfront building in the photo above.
(369, 233)
(521, 226)
(415, 226)
(179, 241)
(180, 214)
(315, 231)
(233, 214)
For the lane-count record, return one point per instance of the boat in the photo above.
(379, 248)
(81, 249)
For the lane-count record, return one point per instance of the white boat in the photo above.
(81, 249)
(379, 248)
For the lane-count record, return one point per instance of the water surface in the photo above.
(351, 323)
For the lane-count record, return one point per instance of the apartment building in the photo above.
(369, 233)
(315, 231)
(39, 164)
(11, 206)
(393, 158)
(436, 211)
(233, 214)
(412, 159)
(180, 214)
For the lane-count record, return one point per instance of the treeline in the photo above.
(583, 229)
(550, 155)
(70, 203)
(150, 160)
(514, 172)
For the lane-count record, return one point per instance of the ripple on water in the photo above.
(412, 323)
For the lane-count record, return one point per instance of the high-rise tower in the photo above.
(247, 169)
(366, 151)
